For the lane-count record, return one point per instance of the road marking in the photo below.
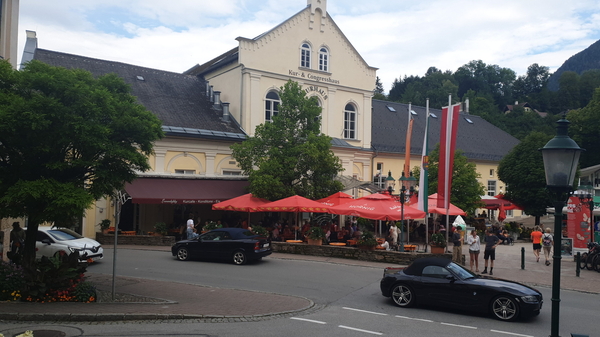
(416, 319)
(510, 333)
(307, 320)
(360, 330)
(460, 326)
(365, 311)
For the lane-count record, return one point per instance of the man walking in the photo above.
(457, 240)
(491, 242)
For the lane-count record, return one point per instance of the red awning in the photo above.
(184, 191)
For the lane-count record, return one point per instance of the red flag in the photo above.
(448, 133)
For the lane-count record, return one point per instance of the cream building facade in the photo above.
(216, 104)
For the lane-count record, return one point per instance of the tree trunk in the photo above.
(29, 250)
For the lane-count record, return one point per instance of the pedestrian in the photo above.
(17, 242)
(474, 247)
(457, 240)
(536, 238)
(547, 241)
(394, 235)
(191, 230)
(491, 242)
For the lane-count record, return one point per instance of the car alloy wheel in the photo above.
(183, 254)
(403, 296)
(239, 257)
(505, 308)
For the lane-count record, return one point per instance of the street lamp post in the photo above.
(561, 156)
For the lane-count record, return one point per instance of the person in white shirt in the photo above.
(474, 247)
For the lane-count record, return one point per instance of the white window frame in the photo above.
(491, 187)
(323, 59)
(305, 55)
(231, 172)
(271, 105)
(177, 171)
(350, 121)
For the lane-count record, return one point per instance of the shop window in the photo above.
(350, 122)
(271, 105)
(323, 59)
(305, 55)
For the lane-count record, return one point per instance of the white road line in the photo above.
(511, 333)
(365, 311)
(416, 319)
(460, 326)
(360, 330)
(307, 320)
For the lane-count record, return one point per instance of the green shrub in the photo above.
(11, 282)
(367, 239)
(316, 233)
(438, 240)
(260, 230)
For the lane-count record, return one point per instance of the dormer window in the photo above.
(324, 59)
(305, 55)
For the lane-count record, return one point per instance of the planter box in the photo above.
(437, 250)
(314, 242)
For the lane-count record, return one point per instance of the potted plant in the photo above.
(104, 226)
(438, 243)
(315, 236)
(161, 228)
(260, 230)
(367, 241)
(210, 226)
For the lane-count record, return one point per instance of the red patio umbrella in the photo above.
(336, 199)
(494, 203)
(432, 207)
(243, 203)
(508, 205)
(294, 203)
(377, 207)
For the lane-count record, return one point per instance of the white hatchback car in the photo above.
(50, 241)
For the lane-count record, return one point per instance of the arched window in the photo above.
(350, 122)
(305, 55)
(271, 105)
(323, 59)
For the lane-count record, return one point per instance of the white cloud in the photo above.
(399, 37)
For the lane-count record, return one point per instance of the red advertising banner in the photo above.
(578, 223)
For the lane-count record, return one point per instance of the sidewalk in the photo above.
(138, 300)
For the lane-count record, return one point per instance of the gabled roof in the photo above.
(478, 140)
(178, 100)
(232, 55)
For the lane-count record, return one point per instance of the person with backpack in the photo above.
(547, 241)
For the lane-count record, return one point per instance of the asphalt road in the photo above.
(348, 300)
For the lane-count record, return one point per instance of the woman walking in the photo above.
(474, 247)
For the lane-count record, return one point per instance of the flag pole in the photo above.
(424, 176)
(447, 169)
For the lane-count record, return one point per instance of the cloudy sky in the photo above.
(397, 36)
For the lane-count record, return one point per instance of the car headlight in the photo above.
(73, 250)
(529, 299)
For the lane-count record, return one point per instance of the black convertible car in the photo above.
(235, 244)
(440, 282)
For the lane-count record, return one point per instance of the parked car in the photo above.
(235, 244)
(439, 282)
(50, 241)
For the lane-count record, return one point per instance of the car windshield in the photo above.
(63, 234)
(460, 271)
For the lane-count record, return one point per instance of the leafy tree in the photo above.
(588, 82)
(66, 139)
(522, 170)
(568, 93)
(378, 86)
(290, 156)
(466, 190)
(486, 79)
(585, 130)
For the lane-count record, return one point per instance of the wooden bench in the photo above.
(410, 248)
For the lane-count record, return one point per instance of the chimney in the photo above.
(207, 88)
(210, 96)
(216, 99)
(467, 105)
(516, 102)
(225, 112)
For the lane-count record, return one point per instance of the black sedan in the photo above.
(235, 244)
(440, 282)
